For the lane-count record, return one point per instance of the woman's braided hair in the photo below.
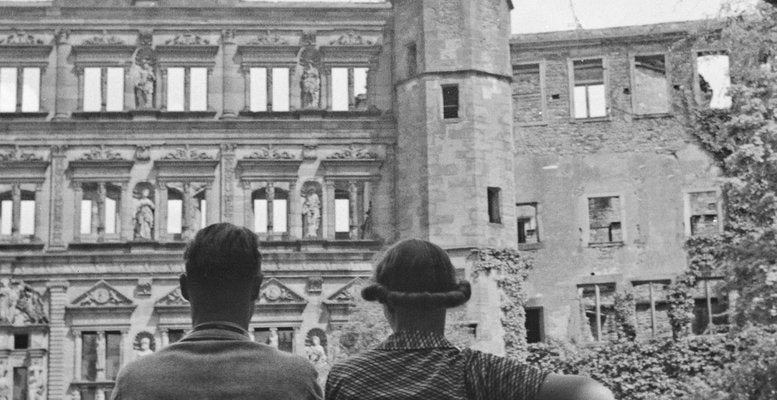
(417, 273)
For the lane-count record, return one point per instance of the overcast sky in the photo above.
(553, 15)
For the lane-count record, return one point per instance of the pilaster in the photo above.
(57, 335)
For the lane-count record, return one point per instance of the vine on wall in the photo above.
(512, 270)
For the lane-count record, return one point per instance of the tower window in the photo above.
(412, 59)
(450, 101)
(533, 325)
(494, 214)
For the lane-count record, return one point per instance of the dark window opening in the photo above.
(704, 213)
(534, 325)
(286, 339)
(494, 214)
(174, 335)
(21, 341)
(604, 219)
(528, 231)
(450, 101)
(20, 384)
(412, 59)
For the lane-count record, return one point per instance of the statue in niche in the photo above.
(144, 216)
(144, 344)
(314, 347)
(316, 352)
(311, 211)
(143, 79)
(311, 86)
(272, 341)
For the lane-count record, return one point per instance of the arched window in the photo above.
(266, 221)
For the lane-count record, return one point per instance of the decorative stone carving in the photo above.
(187, 154)
(174, 298)
(267, 153)
(142, 153)
(309, 152)
(20, 304)
(268, 38)
(36, 383)
(354, 153)
(5, 387)
(351, 39)
(61, 35)
(315, 347)
(348, 293)
(144, 344)
(311, 85)
(315, 283)
(143, 289)
(144, 213)
(102, 295)
(143, 78)
(21, 38)
(101, 154)
(311, 209)
(187, 39)
(102, 40)
(275, 292)
(308, 38)
(17, 155)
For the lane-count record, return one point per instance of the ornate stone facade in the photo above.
(103, 200)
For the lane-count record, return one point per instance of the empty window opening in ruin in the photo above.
(20, 89)
(710, 309)
(598, 306)
(528, 93)
(275, 83)
(651, 86)
(703, 219)
(342, 214)
(652, 309)
(21, 341)
(450, 101)
(528, 230)
(270, 212)
(103, 89)
(349, 88)
(604, 219)
(534, 325)
(713, 80)
(494, 212)
(13, 202)
(187, 89)
(412, 59)
(589, 89)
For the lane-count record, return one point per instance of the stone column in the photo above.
(162, 89)
(270, 194)
(57, 201)
(227, 180)
(101, 356)
(126, 222)
(295, 217)
(101, 195)
(230, 75)
(328, 210)
(66, 87)
(126, 347)
(186, 218)
(78, 196)
(16, 217)
(160, 222)
(248, 206)
(78, 348)
(38, 209)
(367, 210)
(57, 333)
(353, 210)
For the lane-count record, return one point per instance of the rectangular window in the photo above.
(533, 324)
(280, 89)
(339, 89)
(703, 213)
(713, 80)
(260, 215)
(31, 90)
(279, 211)
(598, 308)
(203, 210)
(20, 384)
(604, 218)
(527, 93)
(6, 217)
(174, 216)
(89, 356)
(651, 87)
(114, 92)
(92, 89)
(710, 306)
(652, 312)
(112, 354)
(528, 231)
(450, 101)
(21, 341)
(412, 59)
(111, 215)
(86, 216)
(342, 220)
(494, 213)
(360, 88)
(174, 335)
(175, 89)
(198, 89)
(589, 91)
(8, 84)
(258, 90)
(286, 339)
(262, 335)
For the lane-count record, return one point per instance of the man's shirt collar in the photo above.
(415, 340)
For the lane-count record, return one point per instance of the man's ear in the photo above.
(256, 286)
(184, 288)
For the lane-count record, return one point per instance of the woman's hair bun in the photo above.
(449, 299)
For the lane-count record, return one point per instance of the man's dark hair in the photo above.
(223, 253)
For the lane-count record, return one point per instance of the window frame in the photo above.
(572, 85)
(633, 82)
(529, 245)
(19, 95)
(695, 53)
(586, 219)
(187, 88)
(687, 212)
(351, 83)
(597, 335)
(494, 204)
(458, 102)
(543, 90)
(652, 301)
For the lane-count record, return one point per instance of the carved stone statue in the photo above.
(144, 344)
(311, 86)
(36, 384)
(316, 352)
(8, 298)
(273, 339)
(144, 217)
(5, 387)
(311, 210)
(20, 304)
(143, 80)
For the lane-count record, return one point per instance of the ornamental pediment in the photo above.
(172, 299)
(353, 162)
(350, 48)
(22, 165)
(347, 294)
(274, 292)
(102, 295)
(21, 46)
(100, 163)
(269, 163)
(187, 49)
(186, 164)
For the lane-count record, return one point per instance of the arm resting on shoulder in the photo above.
(571, 387)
